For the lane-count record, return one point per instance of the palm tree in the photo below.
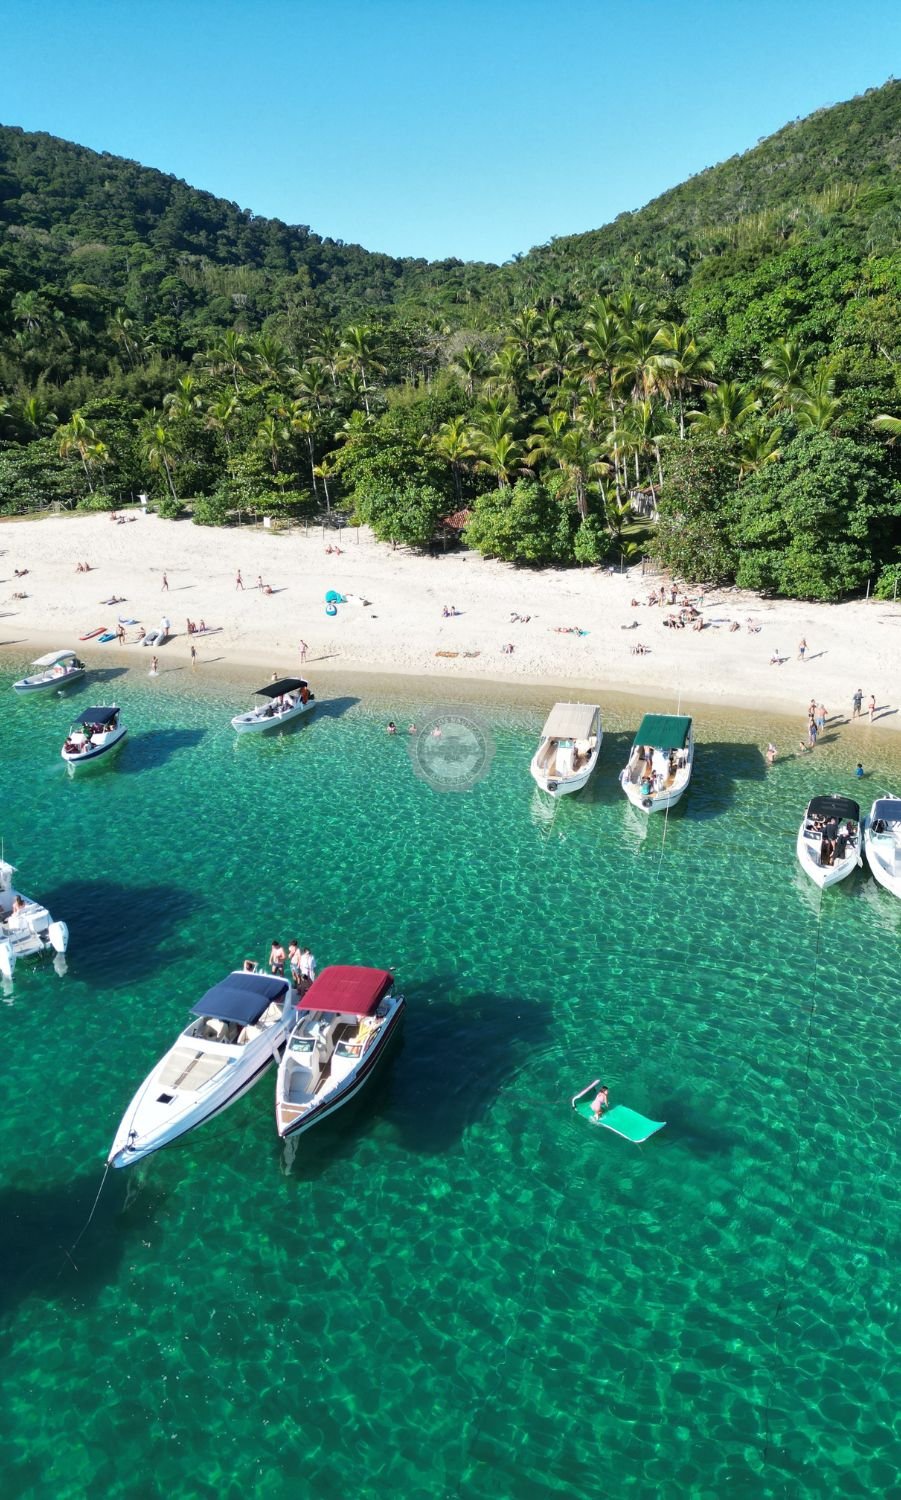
(889, 424)
(759, 448)
(360, 348)
(685, 364)
(786, 371)
(185, 401)
(221, 415)
(452, 442)
(727, 409)
(509, 370)
(34, 414)
(78, 436)
(817, 408)
(501, 456)
(232, 355)
(159, 446)
(472, 363)
(325, 470)
(271, 359)
(310, 383)
(303, 423)
(272, 434)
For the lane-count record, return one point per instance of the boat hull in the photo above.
(561, 786)
(353, 1084)
(249, 724)
(127, 1155)
(881, 874)
(825, 875)
(95, 754)
(659, 802)
(44, 684)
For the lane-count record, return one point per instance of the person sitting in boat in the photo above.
(827, 851)
(600, 1102)
(19, 903)
(305, 694)
(647, 786)
(841, 846)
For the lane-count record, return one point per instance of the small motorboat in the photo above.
(93, 735)
(26, 927)
(238, 1029)
(349, 1014)
(58, 669)
(568, 749)
(882, 842)
(287, 698)
(660, 762)
(828, 845)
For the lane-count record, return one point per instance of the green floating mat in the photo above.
(621, 1120)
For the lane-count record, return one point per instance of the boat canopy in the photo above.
(348, 990)
(97, 715)
(241, 997)
(663, 731)
(52, 657)
(283, 685)
(570, 721)
(833, 807)
(888, 809)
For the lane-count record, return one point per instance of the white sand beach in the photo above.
(401, 629)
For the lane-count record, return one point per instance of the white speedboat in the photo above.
(58, 669)
(882, 842)
(287, 698)
(26, 927)
(660, 762)
(568, 749)
(349, 1015)
(828, 845)
(93, 735)
(238, 1028)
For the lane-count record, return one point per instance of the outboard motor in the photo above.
(58, 936)
(7, 958)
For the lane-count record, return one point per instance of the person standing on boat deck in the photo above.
(307, 966)
(857, 704)
(600, 1102)
(277, 958)
(294, 962)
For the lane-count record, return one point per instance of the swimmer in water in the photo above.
(154, 666)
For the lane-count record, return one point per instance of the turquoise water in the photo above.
(457, 1288)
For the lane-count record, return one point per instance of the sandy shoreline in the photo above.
(401, 629)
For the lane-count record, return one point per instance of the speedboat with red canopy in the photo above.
(349, 1015)
(286, 698)
(236, 1034)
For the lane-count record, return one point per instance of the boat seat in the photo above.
(216, 1030)
(271, 1014)
(248, 1034)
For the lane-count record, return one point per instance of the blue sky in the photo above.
(475, 128)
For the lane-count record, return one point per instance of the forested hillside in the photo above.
(727, 356)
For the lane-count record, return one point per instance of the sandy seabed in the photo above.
(400, 629)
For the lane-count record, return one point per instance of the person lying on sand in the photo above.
(21, 572)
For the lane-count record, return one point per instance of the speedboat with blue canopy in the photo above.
(236, 1033)
(93, 735)
(882, 842)
(287, 698)
(660, 762)
(58, 669)
(828, 844)
(349, 1015)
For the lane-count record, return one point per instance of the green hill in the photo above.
(152, 335)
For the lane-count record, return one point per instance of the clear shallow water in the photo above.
(456, 1287)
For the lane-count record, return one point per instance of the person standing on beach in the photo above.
(871, 707)
(303, 652)
(802, 649)
(857, 704)
(193, 657)
(812, 733)
(154, 666)
(239, 581)
(165, 588)
(821, 717)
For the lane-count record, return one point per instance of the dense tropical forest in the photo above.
(714, 378)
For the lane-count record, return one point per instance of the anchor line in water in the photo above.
(795, 1176)
(76, 1242)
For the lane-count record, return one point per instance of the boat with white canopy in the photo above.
(287, 698)
(882, 842)
(26, 927)
(568, 749)
(92, 736)
(58, 669)
(236, 1034)
(349, 1015)
(828, 844)
(660, 762)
